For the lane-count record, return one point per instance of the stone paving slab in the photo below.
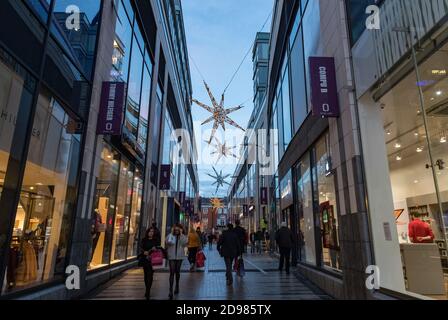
(259, 283)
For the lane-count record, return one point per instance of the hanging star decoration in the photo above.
(220, 114)
(216, 203)
(223, 150)
(220, 180)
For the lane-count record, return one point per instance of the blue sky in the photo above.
(219, 33)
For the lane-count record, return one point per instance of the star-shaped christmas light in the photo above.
(216, 203)
(220, 114)
(223, 150)
(220, 180)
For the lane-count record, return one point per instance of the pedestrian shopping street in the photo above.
(262, 282)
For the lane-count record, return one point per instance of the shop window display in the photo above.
(134, 223)
(306, 213)
(417, 156)
(105, 198)
(42, 224)
(122, 212)
(327, 205)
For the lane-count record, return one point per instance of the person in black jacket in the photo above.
(149, 243)
(284, 239)
(229, 247)
(241, 233)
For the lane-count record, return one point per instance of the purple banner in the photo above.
(245, 210)
(188, 207)
(165, 177)
(264, 196)
(324, 92)
(182, 198)
(110, 117)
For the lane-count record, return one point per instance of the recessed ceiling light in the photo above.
(39, 184)
(439, 93)
(399, 158)
(416, 134)
(420, 149)
(31, 188)
(432, 99)
(397, 145)
(415, 181)
(388, 132)
(443, 140)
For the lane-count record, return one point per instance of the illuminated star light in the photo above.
(220, 180)
(220, 114)
(222, 150)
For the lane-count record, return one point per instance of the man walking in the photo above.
(241, 233)
(229, 247)
(284, 239)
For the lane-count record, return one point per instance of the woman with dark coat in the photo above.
(149, 243)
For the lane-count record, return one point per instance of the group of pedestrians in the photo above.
(231, 246)
(256, 240)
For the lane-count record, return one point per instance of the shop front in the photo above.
(404, 127)
(45, 84)
(412, 132)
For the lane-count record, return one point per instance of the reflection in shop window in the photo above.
(122, 212)
(327, 206)
(134, 222)
(105, 199)
(43, 220)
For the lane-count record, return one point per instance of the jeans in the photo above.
(229, 261)
(252, 247)
(285, 254)
(258, 245)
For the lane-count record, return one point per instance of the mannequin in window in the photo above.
(97, 222)
(419, 231)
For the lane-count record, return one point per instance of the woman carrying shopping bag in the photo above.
(148, 247)
(175, 244)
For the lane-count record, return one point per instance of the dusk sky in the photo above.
(219, 34)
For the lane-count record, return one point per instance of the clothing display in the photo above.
(27, 270)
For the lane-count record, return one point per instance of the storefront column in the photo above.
(381, 205)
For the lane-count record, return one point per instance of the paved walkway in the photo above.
(261, 282)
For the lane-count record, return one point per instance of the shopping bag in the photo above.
(157, 259)
(200, 259)
(241, 270)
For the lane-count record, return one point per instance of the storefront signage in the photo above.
(110, 115)
(245, 210)
(182, 198)
(264, 196)
(165, 177)
(324, 94)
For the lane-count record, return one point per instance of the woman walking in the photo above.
(175, 244)
(194, 244)
(149, 243)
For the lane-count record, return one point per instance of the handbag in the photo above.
(200, 259)
(157, 259)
